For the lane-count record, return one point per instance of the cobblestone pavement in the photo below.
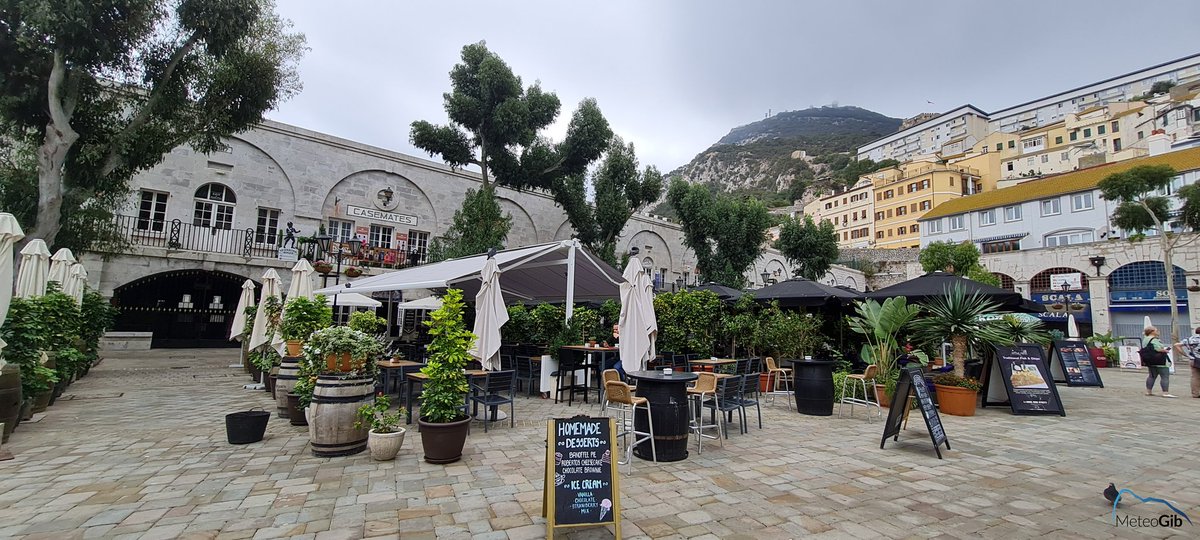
(137, 450)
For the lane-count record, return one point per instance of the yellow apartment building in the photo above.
(903, 194)
(1093, 136)
(987, 157)
(850, 212)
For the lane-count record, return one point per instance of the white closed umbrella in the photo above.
(647, 303)
(270, 288)
(10, 234)
(35, 264)
(634, 343)
(60, 267)
(76, 283)
(1072, 328)
(238, 330)
(1146, 323)
(300, 287)
(490, 315)
(353, 300)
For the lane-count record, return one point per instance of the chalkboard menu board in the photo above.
(581, 487)
(1071, 363)
(1027, 380)
(911, 382)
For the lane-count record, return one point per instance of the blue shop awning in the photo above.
(1013, 236)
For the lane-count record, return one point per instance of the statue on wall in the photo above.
(289, 236)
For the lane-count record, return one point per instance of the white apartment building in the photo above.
(960, 128)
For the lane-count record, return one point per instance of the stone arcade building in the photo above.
(201, 224)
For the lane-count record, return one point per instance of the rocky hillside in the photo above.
(792, 155)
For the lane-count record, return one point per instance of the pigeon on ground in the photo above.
(1110, 493)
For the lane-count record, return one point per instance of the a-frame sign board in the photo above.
(581, 488)
(913, 381)
(1017, 376)
(1071, 363)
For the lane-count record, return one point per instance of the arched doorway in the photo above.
(1063, 291)
(1138, 290)
(183, 308)
(1006, 281)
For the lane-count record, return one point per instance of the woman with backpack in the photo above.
(1154, 356)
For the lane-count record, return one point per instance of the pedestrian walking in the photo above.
(1154, 357)
(1190, 349)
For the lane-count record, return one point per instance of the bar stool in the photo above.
(779, 375)
(853, 383)
(606, 376)
(622, 400)
(706, 387)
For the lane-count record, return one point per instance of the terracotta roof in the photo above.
(1061, 184)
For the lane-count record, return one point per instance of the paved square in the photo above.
(137, 450)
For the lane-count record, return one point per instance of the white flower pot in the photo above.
(385, 446)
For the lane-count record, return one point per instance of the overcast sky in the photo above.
(675, 76)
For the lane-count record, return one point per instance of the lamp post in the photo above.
(324, 241)
(765, 276)
(1097, 261)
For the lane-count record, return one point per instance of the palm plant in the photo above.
(958, 317)
(1017, 329)
(881, 325)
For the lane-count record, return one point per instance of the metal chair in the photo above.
(725, 401)
(705, 387)
(526, 373)
(625, 404)
(570, 362)
(498, 388)
(750, 393)
(855, 382)
(506, 362)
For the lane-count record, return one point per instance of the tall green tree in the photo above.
(812, 248)
(101, 90)
(477, 227)
(726, 234)
(494, 124)
(961, 259)
(620, 191)
(1141, 208)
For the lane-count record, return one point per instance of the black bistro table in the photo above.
(667, 395)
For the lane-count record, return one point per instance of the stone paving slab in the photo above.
(139, 451)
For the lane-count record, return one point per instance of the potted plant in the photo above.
(367, 322)
(301, 318)
(343, 348)
(353, 271)
(881, 325)
(1101, 349)
(960, 318)
(443, 421)
(386, 436)
(955, 394)
(1015, 328)
(322, 267)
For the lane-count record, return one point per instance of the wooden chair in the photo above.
(606, 376)
(622, 400)
(705, 387)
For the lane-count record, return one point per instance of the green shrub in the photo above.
(367, 322)
(303, 316)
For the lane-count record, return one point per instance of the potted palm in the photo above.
(881, 325)
(955, 394)
(443, 421)
(386, 436)
(959, 318)
(301, 318)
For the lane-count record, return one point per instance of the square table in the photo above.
(417, 377)
(605, 354)
(388, 369)
(711, 364)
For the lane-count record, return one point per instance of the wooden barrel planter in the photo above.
(814, 387)
(285, 381)
(10, 398)
(332, 414)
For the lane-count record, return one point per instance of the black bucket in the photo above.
(247, 426)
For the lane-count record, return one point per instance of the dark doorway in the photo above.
(183, 308)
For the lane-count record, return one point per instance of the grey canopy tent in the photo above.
(935, 284)
(798, 292)
(724, 293)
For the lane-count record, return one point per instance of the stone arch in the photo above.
(1040, 282)
(523, 231)
(777, 268)
(359, 188)
(659, 249)
(851, 283)
(564, 231)
(181, 308)
(1006, 281)
(259, 156)
(1144, 275)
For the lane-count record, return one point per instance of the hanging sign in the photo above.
(913, 381)
(581, 485)
(1026, 379)
(1071, 363)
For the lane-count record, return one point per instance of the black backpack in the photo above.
(1151, 357)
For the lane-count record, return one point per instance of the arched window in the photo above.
(1041, 281)
(214, 207)
(1144, 275)
(1006, 281)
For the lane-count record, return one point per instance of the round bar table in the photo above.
(667, 395)
(813, 384)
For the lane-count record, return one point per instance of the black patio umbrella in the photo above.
(797, 292)
(935, 284)
(724, 293)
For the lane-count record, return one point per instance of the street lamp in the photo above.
(324, 241)
(1097, 261)
(765, 275)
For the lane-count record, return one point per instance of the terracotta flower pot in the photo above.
(336, 362)
(885, 399)
(295, 347)
(385, 446)
(956, 400)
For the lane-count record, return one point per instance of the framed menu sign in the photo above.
(1071, 363)
(1026, 379)
(911, 382)
(581, 486)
